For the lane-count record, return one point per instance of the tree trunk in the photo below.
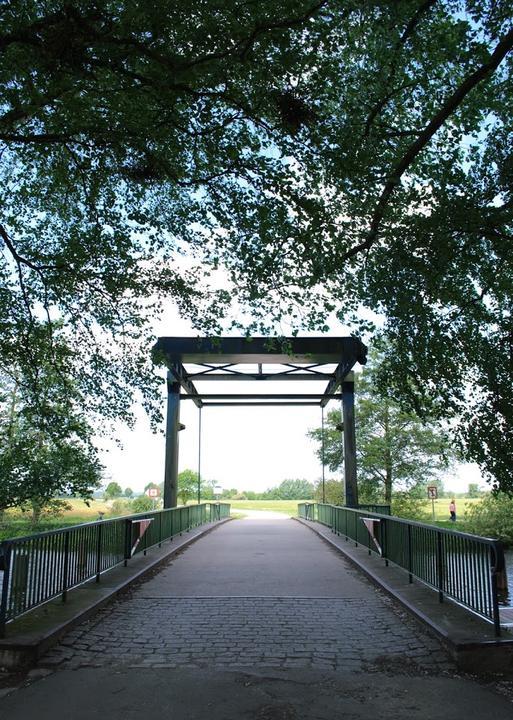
(388, 456)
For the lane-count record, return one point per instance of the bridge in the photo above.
(186, 613)
(267, 618)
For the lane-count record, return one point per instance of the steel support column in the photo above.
(323, 456)
(172, 429)
(199, 457)
(351, 486)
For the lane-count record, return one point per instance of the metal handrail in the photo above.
(456, 564)
(43, 566)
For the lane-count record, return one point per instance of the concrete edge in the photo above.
(25, 653)
(476, 656)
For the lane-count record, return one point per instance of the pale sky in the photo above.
(245, 448)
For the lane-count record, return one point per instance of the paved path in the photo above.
(259, 619)
(253, 593)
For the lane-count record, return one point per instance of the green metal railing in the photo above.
(458, 565)
(379, 509)
(309, 511)
(37, 568)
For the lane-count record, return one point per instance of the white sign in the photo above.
(153, 492)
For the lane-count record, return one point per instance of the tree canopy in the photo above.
(44, 451)
(291, 159)
(113, 490)
(187, 485)
(292, 489)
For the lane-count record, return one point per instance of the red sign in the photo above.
(372, 525)
(432, 492)
(139, 527)
(153, 492)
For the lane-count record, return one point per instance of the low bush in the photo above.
(121, 507)
(142, 504)
(492, 517)
(409, 506)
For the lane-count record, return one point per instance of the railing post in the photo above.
(495, 598)
(384, 541)
(160, 528)
(99, 551)
(410, 574)
(440, 567)
(128, 541)
(65, 570)
(7, 550)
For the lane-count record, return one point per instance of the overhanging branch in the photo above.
(447, 109)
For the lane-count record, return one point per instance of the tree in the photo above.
(333, 492)
(492, 517)
(293, 490)
(227, 494)
(187, 485)
(323, 156)
(45, 452)
(473, 490)
(128, 492)
(51, 509)
(395, 449)
(113, 490)
(142, 504)
(207, 489)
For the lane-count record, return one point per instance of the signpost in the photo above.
(432, 493)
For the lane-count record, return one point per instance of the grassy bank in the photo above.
(442, 509)
(288, 507)
(16, 523)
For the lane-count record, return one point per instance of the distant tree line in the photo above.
(296, 489)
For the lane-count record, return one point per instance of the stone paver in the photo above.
(254, 594)
(238, 632)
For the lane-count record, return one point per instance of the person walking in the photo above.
(452, 510)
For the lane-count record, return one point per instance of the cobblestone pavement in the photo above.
(358, 629)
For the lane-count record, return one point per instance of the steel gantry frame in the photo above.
(263, 360)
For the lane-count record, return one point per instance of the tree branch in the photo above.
(447, 109)
(407, 33)
(21, 260)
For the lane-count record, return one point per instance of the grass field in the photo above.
(16, 523)
(442, 508)
(288, 507)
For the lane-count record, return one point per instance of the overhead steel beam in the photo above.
(270, 403)
(340, 373)
(307, 350)
(263, 396)
(179, 373)
(207, 377)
